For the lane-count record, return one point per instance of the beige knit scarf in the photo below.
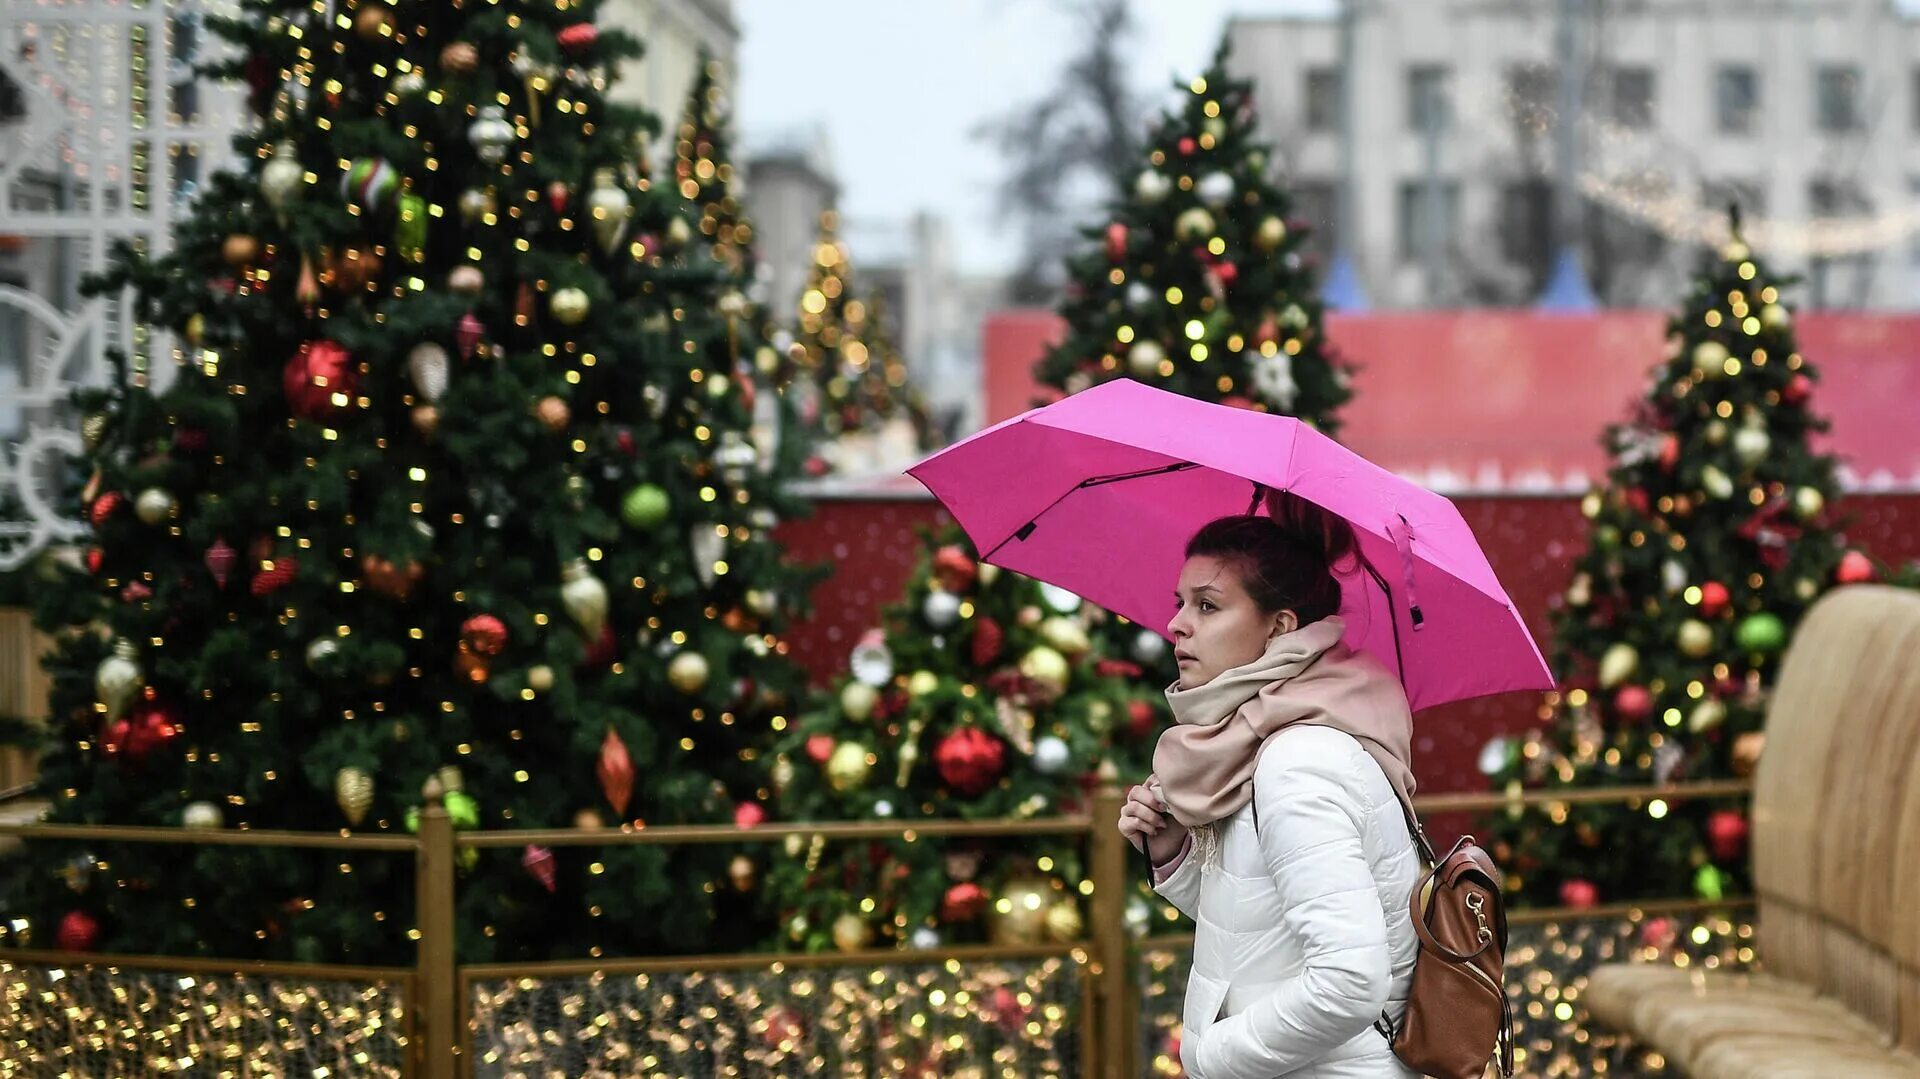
(1203, 765)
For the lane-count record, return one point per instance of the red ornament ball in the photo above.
(820, 747)
(578, 38)
(1579, 894)
(1638, 501)
(954, 568)
(749, 815)
(1140, 719)
(1116, 241)
(1187, 145)
(1799, 390)
(988, 639)
(105, 507)
(95, 557)
(485, 634)
(1228, 273)
(1855, 568)
(1669, 453)
(785, 1028)
(1714, 599)
(134, 736)
(963, 903)
(970, 760)
(1727, 832)
(320, 381)
(78, 932)
(1633, 703)
(1660, 933)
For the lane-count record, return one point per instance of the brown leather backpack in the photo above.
(1458, 1015)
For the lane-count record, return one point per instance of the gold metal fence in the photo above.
(438, 990)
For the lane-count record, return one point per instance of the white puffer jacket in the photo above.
(1302, 932)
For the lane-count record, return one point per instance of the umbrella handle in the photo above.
(1403, 542)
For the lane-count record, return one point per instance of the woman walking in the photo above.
(1273, 818)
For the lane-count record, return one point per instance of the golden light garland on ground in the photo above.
(981, 1020)
(103, 1020)
(1547, 967)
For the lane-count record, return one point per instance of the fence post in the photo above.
(1117, 1029)
(436, 983)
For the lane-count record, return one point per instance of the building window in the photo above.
(1317, 203)
(1429, 217)
(1428, 111)
(1736, 98)
(1323, 98)
(1843, 281)
(13, 103)
(1526, 224)
(13, 358)
(1633, 97)
(1837, 97)
(1530, 93)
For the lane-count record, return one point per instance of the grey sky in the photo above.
(898, 87)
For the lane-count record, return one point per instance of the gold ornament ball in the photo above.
(742, 873)
(1746, 752)
(240, 250)
(1735, 252)
(849, 767)
(1145, 357)
(554, 413)
(1048, 667)
(426, 420)
(1617, 664)
(1063, 922)
(570, 306)
(1706, 715)
(688, 672)
(1271, 233)
(1808, 503)
(988, 573)
(857, 700)
(1066, 635)
(196, 329)
(921, 683)
(1695, 638)
(1019, 915)
(782, 775)
(353, 790)
(540, 679)
(373, 21)
(1194, 223)
(1775, 317)
(1710, 358)
(851, 932)
(460, 58)
(588, 820)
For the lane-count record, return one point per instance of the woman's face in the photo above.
(1216, 626)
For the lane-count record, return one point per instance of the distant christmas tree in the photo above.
(1200, 283)
(1709, 541)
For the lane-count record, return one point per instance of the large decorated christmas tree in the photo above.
(1710, 538)
(981, 698)
(1200, 283)
(448, 482)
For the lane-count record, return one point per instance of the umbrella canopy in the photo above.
(1099, 493)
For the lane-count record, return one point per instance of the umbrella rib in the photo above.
(1026, 530)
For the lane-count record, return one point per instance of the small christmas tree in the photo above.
(982, 698)
(846, 388)
(449, 483)
(1200, 283)
(1709, 541)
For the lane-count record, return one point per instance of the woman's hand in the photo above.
(1143, 825)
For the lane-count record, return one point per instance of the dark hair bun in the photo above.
(1285, 561)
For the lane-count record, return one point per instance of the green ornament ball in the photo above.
(1710, 883)
(1762, 632)
(646, 506)
(462, 809)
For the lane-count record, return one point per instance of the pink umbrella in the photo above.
(1098, 494)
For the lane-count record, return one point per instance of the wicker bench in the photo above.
(1836, 852)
